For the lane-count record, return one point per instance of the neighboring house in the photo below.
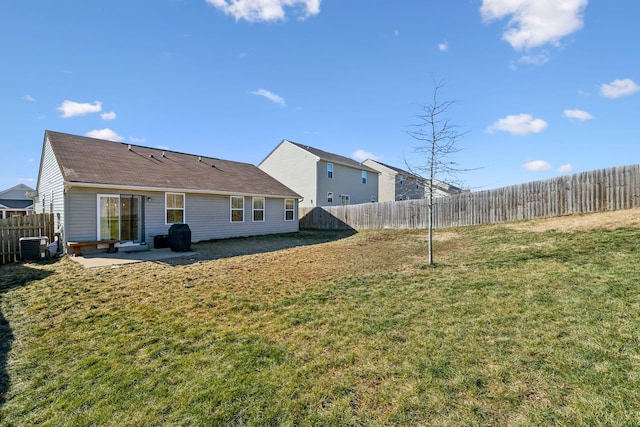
(102, 190)
(322, 178)
(16, 201)
(397, 184)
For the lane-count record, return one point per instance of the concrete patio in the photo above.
(122, 257)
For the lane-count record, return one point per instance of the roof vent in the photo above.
(199, 158)
(151, 156)
(129, 147)
(163, 154)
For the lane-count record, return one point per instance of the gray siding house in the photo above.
(322, 178)
(103, 190)
(397, 184)
(16, 201)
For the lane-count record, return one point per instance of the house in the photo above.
(16, 201)
(103, 190)
(398, 184)
(322, 178)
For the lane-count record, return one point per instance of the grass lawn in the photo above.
(534, 323)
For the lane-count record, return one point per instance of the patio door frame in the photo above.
(115, 212)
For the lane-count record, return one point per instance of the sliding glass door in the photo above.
(119, 217)
(129, 215)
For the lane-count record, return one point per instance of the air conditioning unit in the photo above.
(34, 248)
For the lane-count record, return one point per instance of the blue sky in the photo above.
(541, 87)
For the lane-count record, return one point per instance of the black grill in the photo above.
(179, 238)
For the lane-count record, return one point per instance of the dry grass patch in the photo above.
(585, 222)
(512, 327)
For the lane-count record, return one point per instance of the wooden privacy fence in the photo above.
(586, 192)
(12, 229)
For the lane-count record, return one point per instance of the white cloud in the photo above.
(618, 88)
(26, 180)
(70, 108)
(568, 168)
(266, 10)
(28, 98)
(270, 96)
(443, 47)
(137, 140)
(534, 23)
(106, 133)
(108, 116)
(537, 59)
(577, 115)
(362, 155)
(521, 124)
(537, 165)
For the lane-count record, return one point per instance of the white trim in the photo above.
(231, 209)
(293, 210)
(184, 208)
(98, 197)
(253, 209)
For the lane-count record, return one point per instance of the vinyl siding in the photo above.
(50, 188)
(15, 193)
(386, 181)
(295, 168)
(411, 188)
(345, 180)
(208, 216)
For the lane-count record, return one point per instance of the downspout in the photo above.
(65, 212)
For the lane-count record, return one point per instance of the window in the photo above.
(364, 177)
(258, 208)
(330, 197)
(289, 206)
(330, 170)
(108, 217)
(237, 209)
(344, 199)
(401, 180)
(174, 207)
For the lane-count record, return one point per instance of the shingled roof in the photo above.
(334, 158)
(90, 161)
(444, 186)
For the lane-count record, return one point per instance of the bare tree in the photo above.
(437, 141)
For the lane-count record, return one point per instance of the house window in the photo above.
(174, 207)
(330, 170)
(344, 199)
(237, 209)
(401, 180)
(364, 177)
(289, 206)
(330, 197)
(258, 209)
